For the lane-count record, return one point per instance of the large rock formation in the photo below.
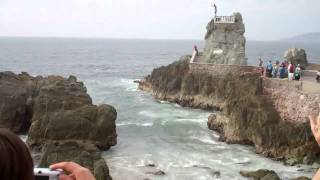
(250, 110)
(62, 110)
(296, 56)
(15, 102)
(60, 118)
(225, 42)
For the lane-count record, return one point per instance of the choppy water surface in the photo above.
(175, 140)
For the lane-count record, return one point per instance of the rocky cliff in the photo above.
(60, 119)
(248, 110)
(225, 42)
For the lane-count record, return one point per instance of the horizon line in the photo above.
(119, 38)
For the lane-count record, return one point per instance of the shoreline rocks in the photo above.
(247, 115)
(60, 119)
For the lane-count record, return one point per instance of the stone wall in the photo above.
(221, 69)
(290, 101)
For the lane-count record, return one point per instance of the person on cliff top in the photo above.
(269, 69)
(297, 73)
(291, 69)
(215, 10)
(275, 70)
(282, 72)
(315, 128)
(16, 162)
(195, 47)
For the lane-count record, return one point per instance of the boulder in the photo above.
(16, 92)
(297, 56)
(63, 110)
(261, 174)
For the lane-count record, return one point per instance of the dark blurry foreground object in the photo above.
(15, 159)
(315, 127)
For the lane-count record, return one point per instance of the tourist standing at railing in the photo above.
(297, 73)
(282, 71)
(275, 70)
(269, 69)
(291, 70)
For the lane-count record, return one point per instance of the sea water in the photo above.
(152, 135)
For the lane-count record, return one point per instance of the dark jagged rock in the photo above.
(249, 115)
(60, 118)
(261, 174)
(16, 92)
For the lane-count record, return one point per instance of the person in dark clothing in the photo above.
(196, 49)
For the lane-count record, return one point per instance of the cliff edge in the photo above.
(270, 115)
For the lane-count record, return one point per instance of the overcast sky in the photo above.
(154, 19)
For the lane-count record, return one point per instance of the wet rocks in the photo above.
(261, 174)
(16, 92)
(61, 120)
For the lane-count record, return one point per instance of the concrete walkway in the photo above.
(310, 85)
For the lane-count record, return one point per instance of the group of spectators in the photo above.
(281, 70)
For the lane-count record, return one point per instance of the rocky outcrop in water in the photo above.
(261, 174)
(248, 114)
(15, 101)
(60, 118)
(225, 42)
(297, 56)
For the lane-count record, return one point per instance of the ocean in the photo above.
(174, 139)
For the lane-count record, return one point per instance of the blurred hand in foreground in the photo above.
(315, 126)
(76, 171)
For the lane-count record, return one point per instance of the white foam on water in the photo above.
(148, 114)
(205, 139)
(135, 124)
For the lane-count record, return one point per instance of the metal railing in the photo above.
(224, 19)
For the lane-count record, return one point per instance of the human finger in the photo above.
(65, 177)
(66, 166)
(312, 121)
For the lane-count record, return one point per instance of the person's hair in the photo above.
(15, 159)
